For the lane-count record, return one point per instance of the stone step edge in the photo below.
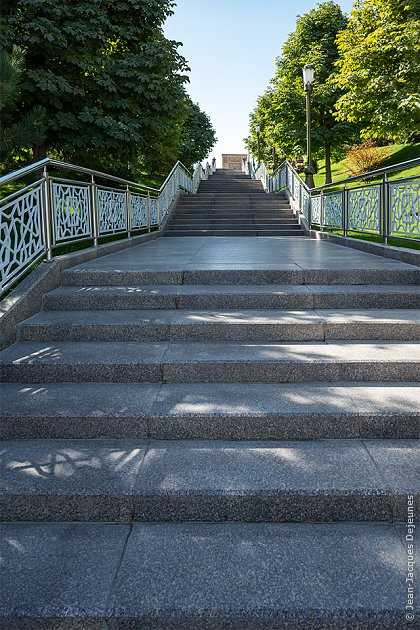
(167, 325)
(227, 361)
(360, 480)
(214, 411)
(96, 582)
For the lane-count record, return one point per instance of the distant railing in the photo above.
(55, 210)
(388, 208)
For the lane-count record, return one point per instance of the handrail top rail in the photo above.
(26, 170)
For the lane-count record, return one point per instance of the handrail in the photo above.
(55, 211)
(389, 208)
(26, 170)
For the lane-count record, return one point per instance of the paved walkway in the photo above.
(248, 253)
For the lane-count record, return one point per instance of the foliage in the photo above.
(364, 158)
(198, 136)
(22, 131)
(281, 110)
(392, 154)
(111, 83)
(379, 69)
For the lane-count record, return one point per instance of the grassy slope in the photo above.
(395, 154)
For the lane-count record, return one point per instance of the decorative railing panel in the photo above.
(333, 210)
(71, 211)
(154, 211)
(111, 209)
(364, 209)
(316, 210)
(305, 203)
(21, 241)
(405, 208)
(139, 212)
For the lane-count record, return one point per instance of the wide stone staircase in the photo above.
(211, 449)
(230, 203)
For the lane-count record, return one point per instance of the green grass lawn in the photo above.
(393, 154)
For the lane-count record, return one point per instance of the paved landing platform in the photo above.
(234, 253)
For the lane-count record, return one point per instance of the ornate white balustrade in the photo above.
(385, 208)
(54, 211)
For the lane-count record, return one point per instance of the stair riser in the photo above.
(241, 277)
(233, 233)
(231, 224)
(212, 372)
(213, 301)
(279, 508)
(218, 427)
(214, 332)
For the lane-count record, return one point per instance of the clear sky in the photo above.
(231, 47)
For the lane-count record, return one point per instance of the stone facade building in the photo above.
(233, 161)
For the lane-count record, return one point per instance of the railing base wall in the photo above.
(387, 251)
(26, 298)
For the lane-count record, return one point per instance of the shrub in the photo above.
(364, 157)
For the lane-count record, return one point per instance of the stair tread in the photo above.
(162, 467)
(210, 410)
(222, 317)
(31, 353)
(261, 289)
(100, 400)
(127, 572)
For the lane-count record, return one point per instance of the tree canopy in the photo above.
(379, 70)
(281, 110)
(28, 129)
(112, 86)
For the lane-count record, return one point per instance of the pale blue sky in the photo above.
(231, 46)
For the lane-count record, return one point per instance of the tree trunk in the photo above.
(40, 151)
(328, 179)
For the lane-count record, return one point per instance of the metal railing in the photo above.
(388, 208)
(54, 210)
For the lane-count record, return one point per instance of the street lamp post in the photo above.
(308, 81)
(258, 129)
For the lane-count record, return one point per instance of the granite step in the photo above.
(235, 232)
(232, 297)
(236, 576)
(216, 325)
(209, 362)
(228, 221)
(193, 480)
(210, 411)
(239, 274)
(254, 224)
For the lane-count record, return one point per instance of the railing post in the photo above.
(94, 211)
(46, 219)
(321, 213)
(148, 212)
(159, 211)
(385, 209)
(345, 210)
(128, 210)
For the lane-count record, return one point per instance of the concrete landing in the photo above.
(241, 253)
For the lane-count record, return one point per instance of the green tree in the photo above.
(198, 136)
(16, 131)
(379, 68)
(110, 81)
(281, 110)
